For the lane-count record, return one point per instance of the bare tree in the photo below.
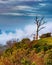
(39, 25)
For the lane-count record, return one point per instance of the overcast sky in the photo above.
(17, 18)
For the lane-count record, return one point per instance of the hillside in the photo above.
(47, 40)
(26, 52)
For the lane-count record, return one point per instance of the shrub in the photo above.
(45, 35)
(48, 58)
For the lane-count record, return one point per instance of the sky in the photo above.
(17, 18)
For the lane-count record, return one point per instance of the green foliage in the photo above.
(28, 52)
(33, 63)
(8, 52)
(25, 61)
(48, 57)
(45, 41)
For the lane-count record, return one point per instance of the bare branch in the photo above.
(41, 28)
(40, 21)
(43, 23)
(36, 20)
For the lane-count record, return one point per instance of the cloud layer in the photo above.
(27, 32)
(8, 1)
(18, 13)
(26, 7)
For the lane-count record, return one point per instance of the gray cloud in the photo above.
(8, 1)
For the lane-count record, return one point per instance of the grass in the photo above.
(47, 40)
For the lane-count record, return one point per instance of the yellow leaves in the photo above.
(1, 63)
(26, 54)
(33, 63)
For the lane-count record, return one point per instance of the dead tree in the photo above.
(39, 25)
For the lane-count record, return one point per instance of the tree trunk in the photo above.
(37, 34)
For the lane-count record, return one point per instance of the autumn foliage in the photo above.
(27, 52)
